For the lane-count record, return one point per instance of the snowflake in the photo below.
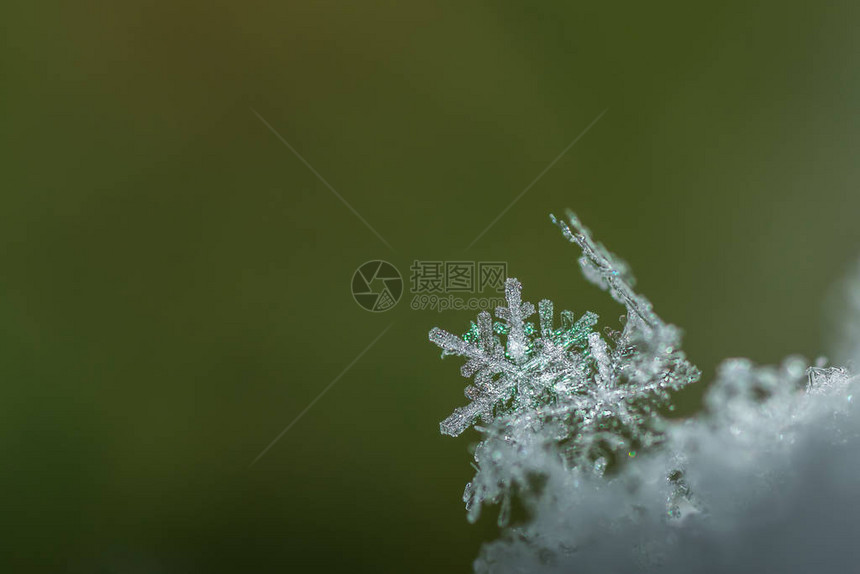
(567, 389)
(531, 369)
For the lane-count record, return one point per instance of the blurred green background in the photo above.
(174, 287)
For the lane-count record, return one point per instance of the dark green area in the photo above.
(175, 283)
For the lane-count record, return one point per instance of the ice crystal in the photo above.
(562, 389)
(771, 462)
(531, 369)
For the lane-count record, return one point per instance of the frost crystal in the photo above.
(770, 464)
(563, 390)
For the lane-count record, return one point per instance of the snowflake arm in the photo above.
(607, 271)
(486, 360)
(513, 315)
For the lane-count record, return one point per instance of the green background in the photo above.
(174, 287)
